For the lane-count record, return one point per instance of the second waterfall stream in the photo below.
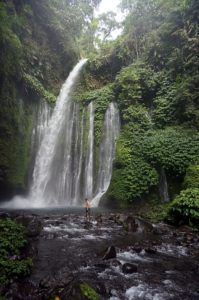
(65, 171)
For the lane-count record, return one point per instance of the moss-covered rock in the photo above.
(88, 292)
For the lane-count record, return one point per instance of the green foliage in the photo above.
(37, 87)
(15, 133)
(135, 84)
(191, 179)
(107, 24)
(164, 112)
(88, 292)
(12, 242)
(137, 115)
(172, 148)
(10, 44)
(156, 88)
(132, 176)
(185, 207)
(176, 102)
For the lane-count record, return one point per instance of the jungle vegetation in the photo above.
(150, 71)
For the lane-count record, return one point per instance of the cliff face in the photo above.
(35, 59)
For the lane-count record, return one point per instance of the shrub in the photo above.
(185, 207)
(191, 179)
(34, 84)
(12, 242)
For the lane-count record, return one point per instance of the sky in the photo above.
(106, 6)
(111, 5)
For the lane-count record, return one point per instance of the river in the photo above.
(163, 260)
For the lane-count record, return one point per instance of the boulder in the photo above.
(129, 268)
(150, 250)
(137, 249)
(130, 224)
(115, 263)
(34, 227)
(109, 252)
(144, 225)
(32, 223)
(98, 218)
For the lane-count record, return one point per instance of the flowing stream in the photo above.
(154, 262)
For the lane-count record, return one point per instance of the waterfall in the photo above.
(77, 187)
(65, 169)
(53, 171)
(41, 123)
(89, 159)
(111, 130)
(42, 117)
(163, 187)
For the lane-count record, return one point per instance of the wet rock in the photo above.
(101, 267)
(46, 282)
(25, 290)
(65, 217)
(51, 236)
(150, 250)
(62, 279)
(129, 268)
(112, 217)
(24, 219)
(144, 225)
(137, 249)
(32, 223)
(109, 253)
(80, 290)
(4, 215)
(99, 219)
(117, 218)
(115, 263)
(87, 225)
(34, 228)
(130, 224)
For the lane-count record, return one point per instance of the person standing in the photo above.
(88, 209)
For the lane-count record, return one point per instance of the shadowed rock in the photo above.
(32, 223)
(130, 224)
(109, 253)
(128, 268)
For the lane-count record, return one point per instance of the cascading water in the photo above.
(42, 118)
(163, 187)
(107, 151)
(65, 169)
(89, 159)
(43, 114)
(53, 172)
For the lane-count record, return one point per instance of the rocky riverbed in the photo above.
(121, 256)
